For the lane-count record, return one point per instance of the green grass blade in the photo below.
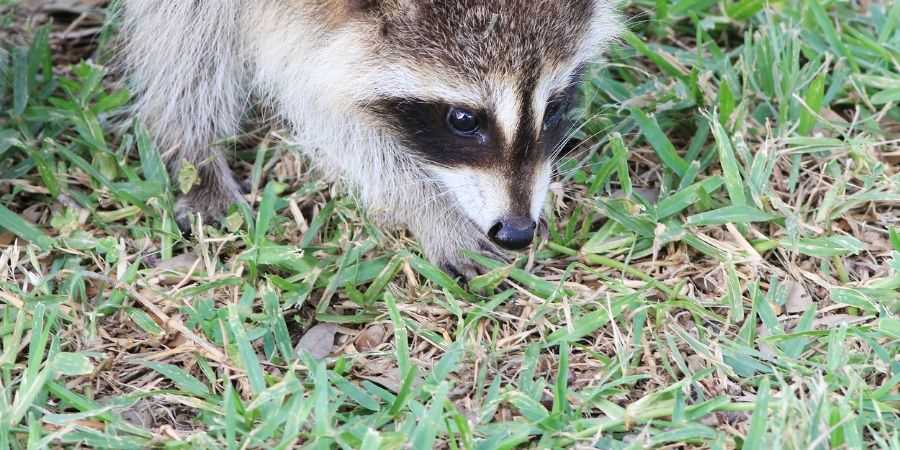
(756, 435)
(248, 358)
(13, 223)
(658, 140)
(730, 168)
(181, 378)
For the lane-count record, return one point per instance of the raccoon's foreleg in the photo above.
(187, 73)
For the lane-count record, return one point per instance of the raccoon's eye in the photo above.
(554, 114)
(462, 121)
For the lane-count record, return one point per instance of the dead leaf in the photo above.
(174, 270)
(776, 308)
(836, 320)
(180, 263)
(318, 341)
(559, 193)
(649, 194)
(140, 414)
(391, 380)
(6, 238)
(764, 348)
(93, 424)
(798, 300)
(696, 363)
(370, 338)
(33, 213)
(72, 6)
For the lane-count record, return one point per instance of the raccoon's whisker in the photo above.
(440, 195)
(595, 134)
(586, 141)
(564, 174)
(569, 134)
(573, 130)
(427, 182)
(569, 171)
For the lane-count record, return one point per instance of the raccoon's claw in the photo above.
(466, 269)
(186, 209)
(463, 268)
(211, 208)
(246, 185)
(492, 251)
(452, 259)
(461, 271)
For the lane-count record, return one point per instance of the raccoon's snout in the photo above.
(513, 233)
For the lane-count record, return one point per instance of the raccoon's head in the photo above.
(479, 90)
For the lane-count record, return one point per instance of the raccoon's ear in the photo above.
(358, 6)
(386, 8)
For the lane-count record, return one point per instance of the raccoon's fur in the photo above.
(381, 94)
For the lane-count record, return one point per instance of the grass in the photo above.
(722, 268)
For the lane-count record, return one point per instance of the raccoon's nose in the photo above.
(513, 233)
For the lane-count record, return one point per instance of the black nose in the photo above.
(513, 233)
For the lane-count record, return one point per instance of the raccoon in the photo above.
(442, 116)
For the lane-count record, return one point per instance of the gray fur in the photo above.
(317, 63)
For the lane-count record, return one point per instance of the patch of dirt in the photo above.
(76, 26)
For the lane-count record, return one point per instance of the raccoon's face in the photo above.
(493, 155)
(479, 91)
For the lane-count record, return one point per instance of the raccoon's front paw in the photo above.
(448, 253)
(211, 205)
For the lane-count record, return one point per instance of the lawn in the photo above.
(721, 268)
